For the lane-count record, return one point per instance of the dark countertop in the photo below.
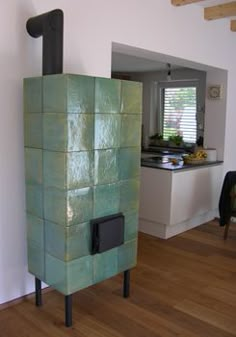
(180, 167)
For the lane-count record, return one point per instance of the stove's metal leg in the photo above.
(68, 310)
(38, 292)
(126, 284)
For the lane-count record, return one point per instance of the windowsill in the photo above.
(181, 149)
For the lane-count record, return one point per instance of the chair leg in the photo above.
(226, 231)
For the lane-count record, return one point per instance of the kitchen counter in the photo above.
(146, 162)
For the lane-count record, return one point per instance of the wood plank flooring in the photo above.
(184, 286)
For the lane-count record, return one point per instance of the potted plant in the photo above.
(176, 140)
(156, 139)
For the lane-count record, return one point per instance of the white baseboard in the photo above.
(164, 231)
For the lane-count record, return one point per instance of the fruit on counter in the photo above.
(198, 155)
(174, 161)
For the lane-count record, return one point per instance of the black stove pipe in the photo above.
(50, 26)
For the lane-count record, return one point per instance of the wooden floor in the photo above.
(184, 286)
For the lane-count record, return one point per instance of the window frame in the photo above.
(176, 84)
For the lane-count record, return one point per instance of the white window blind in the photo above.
(179, 105)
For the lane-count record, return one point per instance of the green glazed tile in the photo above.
(33, 130)
(80, 169)
(131, 224)
(55, 203)
(129, 194)
(54, 169)
(68, 207)
(127, 255)
(36, 264)
(129, 163)
(107, 131)
(80, 206)
(56, 273)
(55, 135)
(33, 94)
(34, 200)
(55, 93)
(130, 130)
(33, 166)
(80, 132)
(105, 265)
(69, 277)
(71, 170)
(35, 230)
(68, 243)
(131, 97)
(80, 273)
(72, 132)
(106, 166)
(106, 199)
(68, 93)
(107, 95)
(80, 94)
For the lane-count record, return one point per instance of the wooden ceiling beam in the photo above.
(220, 11)
(233, 25)
(184, 2)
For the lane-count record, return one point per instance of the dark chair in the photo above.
(227, 203)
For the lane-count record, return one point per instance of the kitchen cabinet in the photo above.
(172, 202)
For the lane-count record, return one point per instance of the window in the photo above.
(179, 109)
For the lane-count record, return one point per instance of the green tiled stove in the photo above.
(82, 159)
(82, 164)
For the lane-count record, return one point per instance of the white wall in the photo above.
(90, 28)
(150, 94)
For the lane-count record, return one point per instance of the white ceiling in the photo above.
(129, 63)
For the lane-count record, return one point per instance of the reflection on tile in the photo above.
(68, 132)
(33, 166)
(80, 206)
(33, 130)
(105, 265)
(106, 166)
(71, 170)
(68, 243)
(127, 255)
(131, 101)
(33, 94)
(68, 208)
(35, 230)
(34, 200)
(131, 130)
(129, 194)
(106, 199)
(107, 131)
(80, 94)
(129, 163)
(80, 169)
(80, 132)
(107, 95)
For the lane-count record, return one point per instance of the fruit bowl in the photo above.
(198, 157)
(194, 160)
